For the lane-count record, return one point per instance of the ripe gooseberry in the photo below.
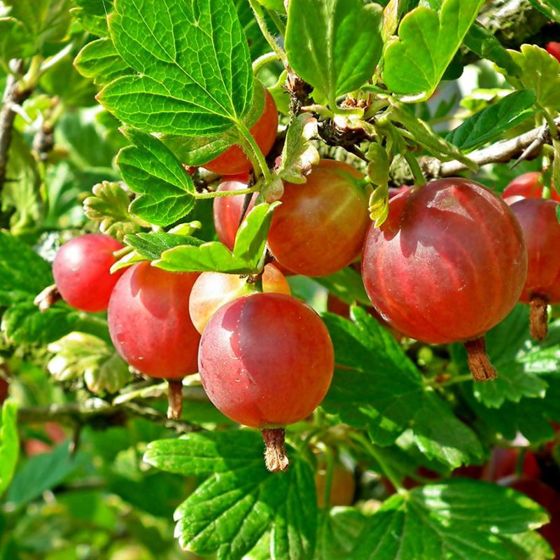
(320, 226)
(553, 48)
(233, 161)
(541, 231)
(81, 271)
(254, 370)
(447, 265)
(229, 211)
(527, 185)
(151, 328)
(214, 289)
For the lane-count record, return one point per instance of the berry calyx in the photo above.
(81, 271)
(233, 161)
(447, 265)
(320, 226)
(214, 289)
(253, 370)
(541, 231)
(150, 325)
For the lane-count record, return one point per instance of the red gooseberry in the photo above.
(233, 161)
(553, 47)
(320, 226)
(541, 231)
(150, 325)
(447, 265)
(254, 371)
(527, 185)
(81, 271)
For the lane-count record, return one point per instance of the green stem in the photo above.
(419, 179)
(221, 194)
(253, 152)
(259, 16)
(453, 381)
(329, 455)
(387, 470)
(550, 123)
(263, 60)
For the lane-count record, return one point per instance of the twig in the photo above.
(501, 152)
(13, 96)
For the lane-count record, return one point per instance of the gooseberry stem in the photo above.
(538, 317)
(253, 152)
(223, 194)
(175, 398)
(479, 362)
(275, 456)
(259, 16)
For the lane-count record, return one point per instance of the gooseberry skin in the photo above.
(448, 264)
(149, 321)
(228, 210)
(320, 226)
(233, 161)
(252, 365)
(81, 271)
(214, 289)
(541, 231)
(527, 185)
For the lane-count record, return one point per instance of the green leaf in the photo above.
(428, 40)
(247, 255)
(233, 508)
(540, 72)
(14, 40)
(483, 43)
(376, 386)
(108, 205)
(520, 362)
(193, 70)
(257, 43)
(100, 62)
(491, 123)
(152, 245)
(92, 15)
(334, 45)
(299, 155)
(21, 278)
(200, 149)
(9, 444)
(40, 473)
(425, 136)
(23, 323)
(166, 190)
(339, 530)
(448, 520)
(347, 285)
(550, 8)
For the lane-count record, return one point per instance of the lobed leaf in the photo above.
(334, 45)
(99, 61)
(414, 63)
(191, 62)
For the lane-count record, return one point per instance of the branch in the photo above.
(13, 96)
(101, 414)
(524, 146)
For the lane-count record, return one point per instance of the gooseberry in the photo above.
(320, 226)
(553, 47)
(527, 185)
(541, 231)
(254, 370)
(81, 271)
(447, 265)
(150, 325)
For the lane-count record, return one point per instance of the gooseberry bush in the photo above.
(279, 279)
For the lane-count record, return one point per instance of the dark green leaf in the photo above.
(427, 42)
(454, 520)
(193, 71)
(334, 45)
(347, 285)
(550, 8)
(377, 386)
(40, 473)
(9, 444)
(491, 123)
(339, 529)
(166, 190)
(152, 245)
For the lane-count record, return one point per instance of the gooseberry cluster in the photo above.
(449, 263)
